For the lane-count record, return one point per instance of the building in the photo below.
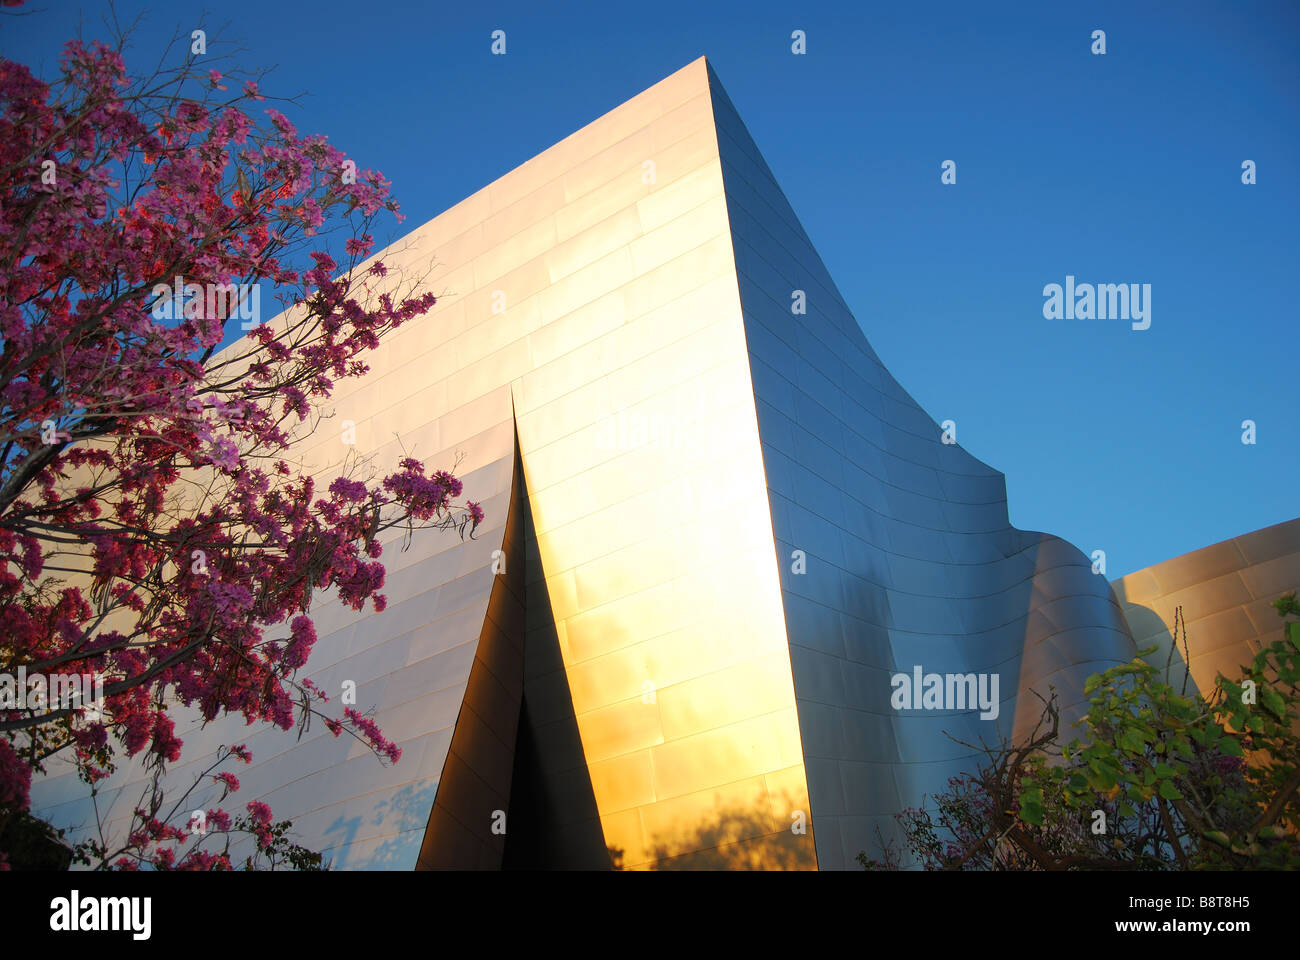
(718, 533)
(1223, 595)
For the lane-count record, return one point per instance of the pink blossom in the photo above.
(229, 779)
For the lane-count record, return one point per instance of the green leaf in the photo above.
(1131, 740)
(1169, 791)
(1092, 683)
(1273, 702)
(1031, 806)
(1230, 747)
(1164, 771)
(1293, 633)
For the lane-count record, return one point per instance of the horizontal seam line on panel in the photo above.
(699, 733)
(591, 157)
(742, 401)
(568, 169)
(795, 228)
(342, 800)
(942, 596)
(733, 174)
(424, 626)
(1003, 626)
(842, 391)
(939, 471)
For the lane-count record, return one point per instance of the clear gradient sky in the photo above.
(1122, 168)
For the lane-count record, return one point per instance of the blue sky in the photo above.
(1122, 168)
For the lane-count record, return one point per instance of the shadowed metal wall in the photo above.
(468, 824)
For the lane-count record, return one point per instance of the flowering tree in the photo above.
(155, 531)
